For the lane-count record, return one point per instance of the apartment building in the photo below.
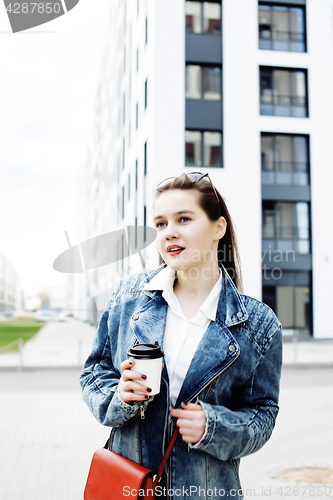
(10, 289)
(240, 89)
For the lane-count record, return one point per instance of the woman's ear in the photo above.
(221, 227)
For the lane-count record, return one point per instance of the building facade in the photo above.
(240, 89)
(10, 288)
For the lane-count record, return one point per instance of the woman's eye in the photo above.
(186, 218)
(159, 224)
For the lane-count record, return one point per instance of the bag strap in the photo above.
(158, 476)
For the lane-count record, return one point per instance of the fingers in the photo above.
(129, 383)
(191, 420)
(128, 373)
(132, 375)
(128, 391)
(127, 364)
(189, 408)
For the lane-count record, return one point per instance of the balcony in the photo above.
(273, 104)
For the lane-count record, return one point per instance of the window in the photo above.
(285, 227)
(137, 115)
(284, 159)
(146, 93)
(203, 82)
(203, 17)
(146, 31)
(292, 305)
(144, 223)
(281, 28)
(203, 148)
(283, 92)
(145, 159)
(129, 187)
(137, 60)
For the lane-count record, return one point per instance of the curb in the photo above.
(307, 365)
(40, 368)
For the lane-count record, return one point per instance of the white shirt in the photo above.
(182, 336)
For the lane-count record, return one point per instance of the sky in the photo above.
(48, 84)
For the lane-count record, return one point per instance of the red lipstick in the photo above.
(175, 249)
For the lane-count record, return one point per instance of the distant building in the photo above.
(242, 90)
(10, 288)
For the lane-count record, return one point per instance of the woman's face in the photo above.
(182, 224)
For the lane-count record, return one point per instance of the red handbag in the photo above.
(112, 477)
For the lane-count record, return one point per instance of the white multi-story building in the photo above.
(240, 89)
(10, 288)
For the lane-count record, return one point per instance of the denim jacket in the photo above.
(234, 375)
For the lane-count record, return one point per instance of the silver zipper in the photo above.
(204, 387)
(213, 378)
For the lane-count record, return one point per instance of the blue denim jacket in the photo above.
(234, 375)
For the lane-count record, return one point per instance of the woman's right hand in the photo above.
(128, 383)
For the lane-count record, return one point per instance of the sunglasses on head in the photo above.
(194, 177)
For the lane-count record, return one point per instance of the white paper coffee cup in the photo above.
(148, 361)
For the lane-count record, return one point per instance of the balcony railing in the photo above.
(271, 97)
(286, 238)
(272, 39)
(285, 36)
(285, 172)
(274, 104)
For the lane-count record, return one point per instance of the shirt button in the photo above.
(239, 314)
(232, 348)
(136, 316)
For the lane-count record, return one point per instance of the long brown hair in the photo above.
(227, 251)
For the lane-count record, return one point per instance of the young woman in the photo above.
(223, 351)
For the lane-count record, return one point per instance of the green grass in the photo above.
(14, 329)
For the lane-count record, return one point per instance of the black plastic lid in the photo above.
(146, 351)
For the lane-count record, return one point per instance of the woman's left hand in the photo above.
(191, 420)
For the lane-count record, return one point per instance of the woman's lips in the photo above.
(174, 250)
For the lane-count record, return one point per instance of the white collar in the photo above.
(164, 280)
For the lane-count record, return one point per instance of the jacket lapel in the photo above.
(217, 349)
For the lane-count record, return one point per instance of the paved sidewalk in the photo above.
(57, 344)
(69, 344)
(314, 352)
(48, 437)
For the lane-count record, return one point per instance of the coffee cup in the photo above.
(148, 361)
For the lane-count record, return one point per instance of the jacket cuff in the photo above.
(129, 410)
(209, 428)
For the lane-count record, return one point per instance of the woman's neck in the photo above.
(196, 283)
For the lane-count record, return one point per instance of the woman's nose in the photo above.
(171, 232)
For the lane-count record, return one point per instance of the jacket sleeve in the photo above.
(99, 381)
(233, 434)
